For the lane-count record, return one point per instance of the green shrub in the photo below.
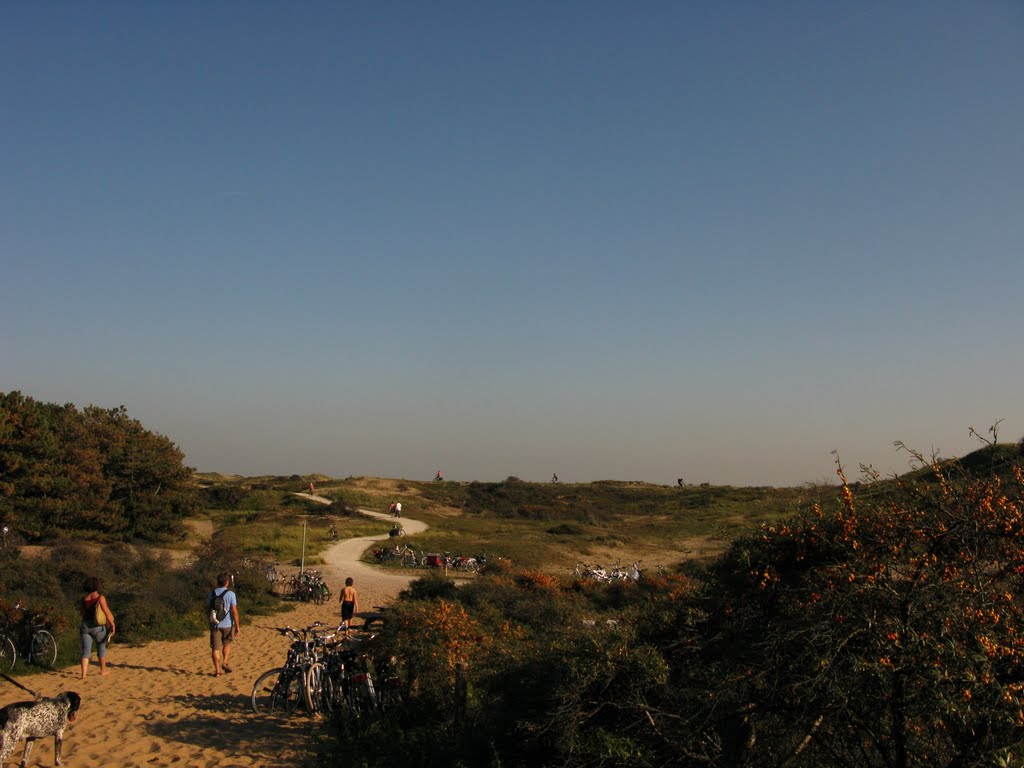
(565, 529)
(431, 587)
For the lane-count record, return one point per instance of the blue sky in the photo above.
(636, 241)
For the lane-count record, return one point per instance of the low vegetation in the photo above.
(883, 628)
(869, 624)
(152, 599)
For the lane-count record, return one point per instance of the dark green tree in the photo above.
(95, 472)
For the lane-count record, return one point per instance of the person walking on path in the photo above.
(349, 604)
(223, 623)
(97, 625)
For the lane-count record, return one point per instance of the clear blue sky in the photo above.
(609, 240)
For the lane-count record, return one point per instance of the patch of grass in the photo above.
(565, 529)
(278, 536)
(537, 525)
(551, 527)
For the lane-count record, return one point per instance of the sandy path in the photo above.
(160, 705)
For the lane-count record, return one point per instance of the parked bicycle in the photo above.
(468, 564)
(617, 572)
(448, 560)
(341, 684)
(309, 586)
(30, 636)
(279, 691)
(347, 682)
(406, 555)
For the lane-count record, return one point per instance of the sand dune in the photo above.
(161, 706)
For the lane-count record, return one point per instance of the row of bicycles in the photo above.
(30, 636)
(409, 557)
(617, 572)
(309, 587)
(325, 674)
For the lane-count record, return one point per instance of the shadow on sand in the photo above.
(232, 727)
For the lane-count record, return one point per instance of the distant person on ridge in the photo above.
(554, 478)
(438, 476)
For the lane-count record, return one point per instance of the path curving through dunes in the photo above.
(161, 706)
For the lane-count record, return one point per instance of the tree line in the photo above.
(88, 473)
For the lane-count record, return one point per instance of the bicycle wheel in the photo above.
(8, 654)
(364, 698)
(277, 692)
(328, 695)
(43, 650)
(314, 687)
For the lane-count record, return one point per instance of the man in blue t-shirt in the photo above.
(225, 630)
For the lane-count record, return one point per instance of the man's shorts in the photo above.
(220, 636)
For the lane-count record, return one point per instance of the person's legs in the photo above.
(215, 646)
(86, 652)
(226, 642)
(101, 653)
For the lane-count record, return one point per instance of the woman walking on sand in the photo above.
(97, 625)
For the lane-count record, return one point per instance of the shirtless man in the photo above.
(349, 604)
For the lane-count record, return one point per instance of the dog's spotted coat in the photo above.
(31, 720)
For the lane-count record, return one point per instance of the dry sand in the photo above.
(160, 704)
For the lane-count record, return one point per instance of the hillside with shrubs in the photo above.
(883, 627)
(873, 623)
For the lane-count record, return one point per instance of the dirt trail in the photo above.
(160, 705)
(341, 560)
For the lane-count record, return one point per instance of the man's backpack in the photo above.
(218, 607)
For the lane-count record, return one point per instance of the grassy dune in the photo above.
(540, 526)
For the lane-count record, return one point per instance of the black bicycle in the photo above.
(280, 690)
(31, 637)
